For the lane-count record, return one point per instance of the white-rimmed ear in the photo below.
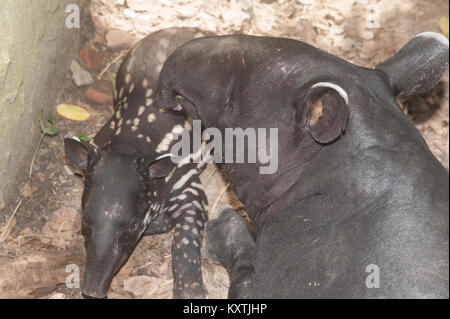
(418, 66)
(78, 152)
(161, 166)
(325, 112)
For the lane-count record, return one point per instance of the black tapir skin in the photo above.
(131, 187)
(356, 186)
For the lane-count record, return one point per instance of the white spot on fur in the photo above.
(131, 88)
(151, 117)
(164, 145)
(197, 185)
(187, 125)
(180, 197)
(177, 129)
(141, 110)
(191, 190)
(128, 78)
(148, 102)
(184, 179)
(149, 93)
(144, 83)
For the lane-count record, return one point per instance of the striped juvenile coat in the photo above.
(132, 188)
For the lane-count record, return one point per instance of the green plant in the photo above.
(83, 137)
(50, 130)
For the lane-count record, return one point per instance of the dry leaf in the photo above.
(73, 112)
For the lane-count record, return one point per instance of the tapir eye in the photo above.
(133, 225)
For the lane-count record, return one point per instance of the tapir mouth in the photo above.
(98, 277)
(95, 288)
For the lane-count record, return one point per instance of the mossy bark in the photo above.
(36, 48)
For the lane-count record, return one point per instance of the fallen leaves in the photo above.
(62, 227)
(73, 112)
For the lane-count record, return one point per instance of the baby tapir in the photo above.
(132, 188)
(358, 207)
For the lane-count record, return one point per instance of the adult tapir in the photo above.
(132, 188)
(358, 207)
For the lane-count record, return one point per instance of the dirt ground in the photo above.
(40, 238)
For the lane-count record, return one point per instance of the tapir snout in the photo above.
(103, 260)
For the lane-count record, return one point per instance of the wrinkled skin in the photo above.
(130, 190)
(356, 183)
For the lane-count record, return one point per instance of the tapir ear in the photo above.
(78, 152)
(418, 66)
(325, 112)
(161, 167)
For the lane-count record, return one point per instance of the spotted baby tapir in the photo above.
(132, 187)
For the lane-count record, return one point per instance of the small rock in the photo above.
(62, 227)
(100, 92)
(117, 39)
(187, 11)
(26, 190)
(57, 295)
(366, 35)
(41, 176)
(140, 5)
(138, 285)
(79, 75)
(90, 58)
(130, 14)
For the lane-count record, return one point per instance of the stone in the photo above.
(117, 39)
(140, 5)
(100, 92)
(80, 76)
(138, 285)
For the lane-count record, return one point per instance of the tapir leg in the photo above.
(230, 243)
(186, 252)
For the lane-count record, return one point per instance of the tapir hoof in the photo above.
(228, 237)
